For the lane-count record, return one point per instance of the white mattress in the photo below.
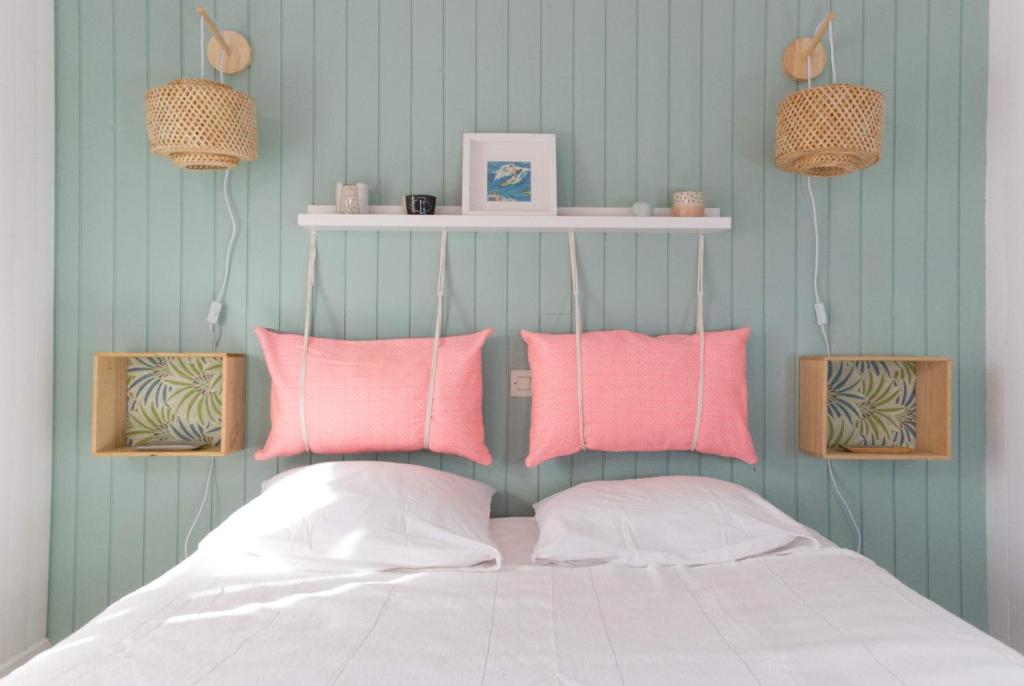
(822, 617)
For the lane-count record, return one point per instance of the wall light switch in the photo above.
(521, 386)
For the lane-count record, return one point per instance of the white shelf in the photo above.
(579, 219)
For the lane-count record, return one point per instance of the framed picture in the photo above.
(509, 173)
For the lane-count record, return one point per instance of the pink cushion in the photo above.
(639, 393)
(371, 396)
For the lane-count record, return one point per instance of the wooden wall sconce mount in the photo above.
(794, 57)
(227, 51)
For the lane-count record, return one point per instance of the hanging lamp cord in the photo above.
(820, 312)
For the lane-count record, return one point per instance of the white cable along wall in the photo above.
(26, 305)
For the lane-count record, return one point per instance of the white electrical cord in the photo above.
(820, 312)
(213, 316)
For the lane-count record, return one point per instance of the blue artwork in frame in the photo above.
(508, 181)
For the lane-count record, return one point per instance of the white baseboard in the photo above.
(23, 657)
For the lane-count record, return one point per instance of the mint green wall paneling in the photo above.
(460, 315)
(556, 79)
(459, 89)
(229, 474)
(652, 182)
(646, 97)
(393, 260)
(524, 108)
(492, 65)
(128, 477)
(427, 97)
(362, 126)
(491, 290)
(524, 75)
(844, 261)
(492, 98)
(588, 186)
(941, 247)
(748, 202)
(427, 154)
(394, 168)
(96, 278)
(200, 211)
(682, 317)
(263, 267)
(523, 313)
(332, 97)
(164, 223)
(332, 88)
(685, 77)
(812, 494)
(620, 270)
(396, 103)
(684, 150)
(589, 465)
(780, 287)
(652, 318)
(460, 22)
(557, 113)
(555, 306)
(973, 98)
(228, 487)
(60, 621)
(423, 301)
(909, 111)
(620, 183)
(877, 267)
(716, 175)
(298, 143)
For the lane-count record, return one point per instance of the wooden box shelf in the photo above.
(934, 380)
(110, 403)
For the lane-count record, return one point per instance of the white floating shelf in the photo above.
(579, 219)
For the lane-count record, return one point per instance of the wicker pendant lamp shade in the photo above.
(201, 124)
(829, 130)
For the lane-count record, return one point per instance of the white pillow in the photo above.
(363, 515)
(664, 520)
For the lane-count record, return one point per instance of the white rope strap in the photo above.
(310, 280)
(437, 338)
(700, 335)
(576, 329)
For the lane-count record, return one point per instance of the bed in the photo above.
(822, 616)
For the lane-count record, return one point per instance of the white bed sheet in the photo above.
(821, 617)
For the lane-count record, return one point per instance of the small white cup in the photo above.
(352, 198)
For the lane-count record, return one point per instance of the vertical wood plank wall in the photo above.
(646, 96)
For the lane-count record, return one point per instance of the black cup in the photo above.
(419, 204)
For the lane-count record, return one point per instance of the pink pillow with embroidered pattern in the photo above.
(639, 393)
(371, 396)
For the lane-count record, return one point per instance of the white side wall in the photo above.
(26, 313)
(1005, 322)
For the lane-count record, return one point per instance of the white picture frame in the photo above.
(509, 173)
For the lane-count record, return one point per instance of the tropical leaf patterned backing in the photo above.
(174, 399)
(872, 403)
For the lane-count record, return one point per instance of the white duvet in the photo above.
(817, 617)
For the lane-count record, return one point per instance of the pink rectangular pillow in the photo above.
(639, 393)
(371, 396)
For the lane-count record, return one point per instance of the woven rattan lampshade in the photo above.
(201, 124)
(829, 130)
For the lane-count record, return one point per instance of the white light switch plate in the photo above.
(522, 383)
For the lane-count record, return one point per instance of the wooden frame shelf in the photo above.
(450, 217)
(110, 405)
(933, 412)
